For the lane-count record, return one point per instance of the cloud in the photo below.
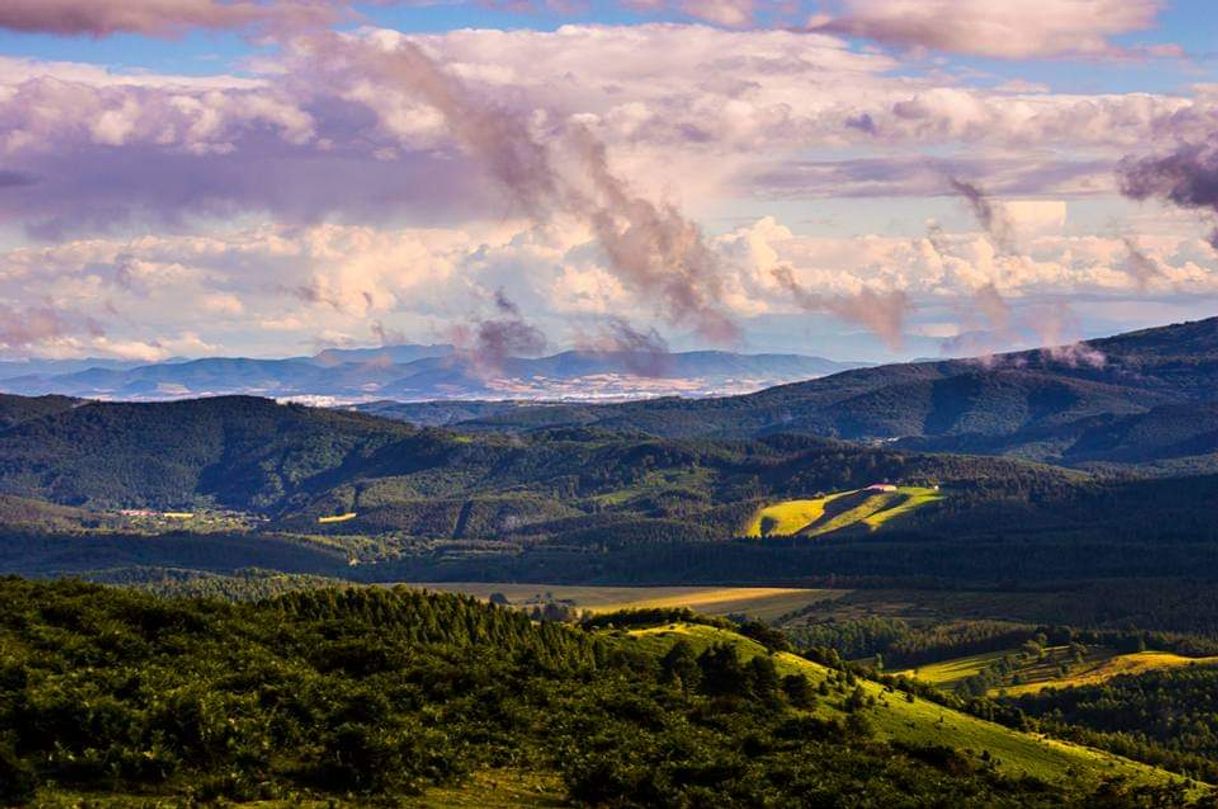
(991, 215)
(228, 286)
(485, 345)
(986, 325)
(643, 351)
(16, 179)
(160, 18)
(22, 328)
(1052, 323)
(996, 28)
(1140, 266)
(650, 246)
(733, 13)
(653, 246)
(555, 165)
(917, 176)
(881, 312)
(387, 336)
(1187, 177)
(318, 138)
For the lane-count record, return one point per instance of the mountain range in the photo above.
(419, 373)
(1140, 397)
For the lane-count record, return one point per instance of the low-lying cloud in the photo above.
(486, 344)
(880, 312)
(1187, 177)
(643, 351)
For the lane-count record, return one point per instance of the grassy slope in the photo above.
(790, 516)
(1099, 665)
(1113, 666)
(923, 722)
(915, 498)
(823, 515)
(948, 673)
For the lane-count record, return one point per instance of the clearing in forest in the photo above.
(868, 508)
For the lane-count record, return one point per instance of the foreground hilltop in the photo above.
(345, 697)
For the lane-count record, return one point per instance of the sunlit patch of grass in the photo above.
(789, 517)
(840, 510)
(947, 673)
(1114, 666)
(914, 498)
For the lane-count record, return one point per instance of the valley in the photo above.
(640, 404)
(922, 603)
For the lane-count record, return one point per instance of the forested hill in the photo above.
(241, 451)
(16, 409)
(255, 455)
(1142, 396)
(373, 696)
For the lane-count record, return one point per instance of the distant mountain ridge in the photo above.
(1143, 396)
(421, 373)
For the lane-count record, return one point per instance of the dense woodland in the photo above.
(1168, 717)
(572, 504)
(382, 693)
(654, 491)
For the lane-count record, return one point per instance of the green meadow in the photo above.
(865, 508)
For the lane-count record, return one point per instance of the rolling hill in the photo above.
(254, 454)
(917, 721)
(1141, 397)
(322, 491)
(359, 696)
(16, 409)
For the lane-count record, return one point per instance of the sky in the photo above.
(869, 180)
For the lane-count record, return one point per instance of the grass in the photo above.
(948, 673)
(1116, 665)
(788, 517)
(837, 511)
(924, 723)
(509, 789)
(915, 498)
(763, 603)
(1097, 665)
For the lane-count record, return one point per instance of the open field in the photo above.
(788, 517)
(834, 512)
(1112, 666)
(948, 673)
(763, 603)
(922, 722)
(1029, 676)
